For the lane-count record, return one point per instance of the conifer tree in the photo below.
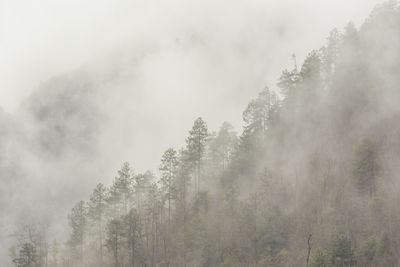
(97, 205)
(78, 223)
(196, 144)
(168, 169)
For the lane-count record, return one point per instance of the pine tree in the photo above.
(223, 146)
(27, 256)
(141, 183)
(132, 233)
(78, 224)
(119, 195)
(168, 169)
(261, 113)
(288, 81)
(97, 206)
(196, 144)
(115, 239)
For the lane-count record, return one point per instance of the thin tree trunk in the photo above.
(309, 249)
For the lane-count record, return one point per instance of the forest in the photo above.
(311, 180)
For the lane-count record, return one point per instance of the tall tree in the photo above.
(133, 233)
(260, 113)
(223, 146)
(27, 256)
(78, 223)
(366, 167)
(168, 169)
(141, 183)
(97, 206)
(196, 144)
(115, 239)
(341, 251)
(32, 245)
(119, 196)
(288, 81)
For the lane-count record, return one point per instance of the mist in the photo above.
(88, 86)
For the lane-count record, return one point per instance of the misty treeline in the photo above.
(313, 179)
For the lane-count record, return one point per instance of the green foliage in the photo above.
(321, 258)
(386, 254)
(341, 251)
(367, 252)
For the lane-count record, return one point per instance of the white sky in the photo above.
(42, 38)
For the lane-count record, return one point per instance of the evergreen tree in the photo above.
(132, 233)
(168, 169)
(141, 183)
(115, 239)
(341, 252)
(196, 144)
(260, 113)
(78, 223)
(27, 256)
(97, 206)
(288, 81)
(223, 146)
(366, 167)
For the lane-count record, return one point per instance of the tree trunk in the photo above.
(309, 249)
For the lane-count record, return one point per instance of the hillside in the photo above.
(312, 180)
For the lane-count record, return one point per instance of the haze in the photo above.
(88, 85)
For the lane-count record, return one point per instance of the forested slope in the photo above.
(311, 180)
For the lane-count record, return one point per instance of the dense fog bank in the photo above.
(311, 177)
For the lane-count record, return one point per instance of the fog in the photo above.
(207, 58)
(86, 86)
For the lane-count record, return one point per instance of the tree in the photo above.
(366, 167)
(288, 81)
(386, 255)
(196, 143)
(114, 241)
(184, 169)
(78, 223)
(123, 186)
(367, 252)
(54, 252)
(260, 115)
(341, 252)
(132, 233)
(330, 53)
(311, 69)
(223, 146)
(259, 112)
(141, 183)
(168, 169)
(27, 256)
(320, 259)
(97, 206)
(32, 245)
